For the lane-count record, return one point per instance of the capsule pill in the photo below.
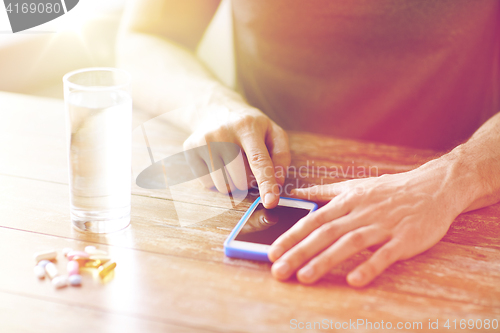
(51, 270)
(73, 268)
(75, 280)
(60, 281)
(46, 255)
(43, 263)
(93, 263)
(39, 271)
(80, 254)
(106, 269)
(66, 250)
(103, 259)
(80, 261)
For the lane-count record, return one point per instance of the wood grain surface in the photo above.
(174, 277)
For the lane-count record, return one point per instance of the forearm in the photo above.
(470, 173)
(167, 77)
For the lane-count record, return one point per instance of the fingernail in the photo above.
(269, 198)
(281, 268)
(276, 252)
(306, 272)
(356, 277)
(298, 192)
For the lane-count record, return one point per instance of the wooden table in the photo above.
(174, 277)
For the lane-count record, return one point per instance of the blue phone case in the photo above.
(247, 254)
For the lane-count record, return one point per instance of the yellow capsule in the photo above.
(93, 263)
(106, 269)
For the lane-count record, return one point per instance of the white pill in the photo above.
(60, 281)
(39, 272)
(90, 248)
(75, 280)
(46, 255)
(67, 250)
(43, 263)
(51, 270)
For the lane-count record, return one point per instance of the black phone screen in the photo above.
(264, 226)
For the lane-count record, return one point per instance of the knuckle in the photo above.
(351, 195)
(328, 230)
(245, 122)
(344, 197)
(258, 159)
(357, 239)
(340, 190)
(339, 201)
(319, 219)
(246, 119)
(265, 183)
(328, 261)
(287, 240)
(298, 257)
(385, 255)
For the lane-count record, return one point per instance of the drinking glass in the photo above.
(98, 126)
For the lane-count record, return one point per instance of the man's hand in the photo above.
(401, 214)
(264, 143)
(158, 49)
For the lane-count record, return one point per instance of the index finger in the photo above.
(277, 142)
(263, 169)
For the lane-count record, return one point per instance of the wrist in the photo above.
(218, 105)
(481, 176)
(457, 187)
(465, 181)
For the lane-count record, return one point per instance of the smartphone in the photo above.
(260, 227)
